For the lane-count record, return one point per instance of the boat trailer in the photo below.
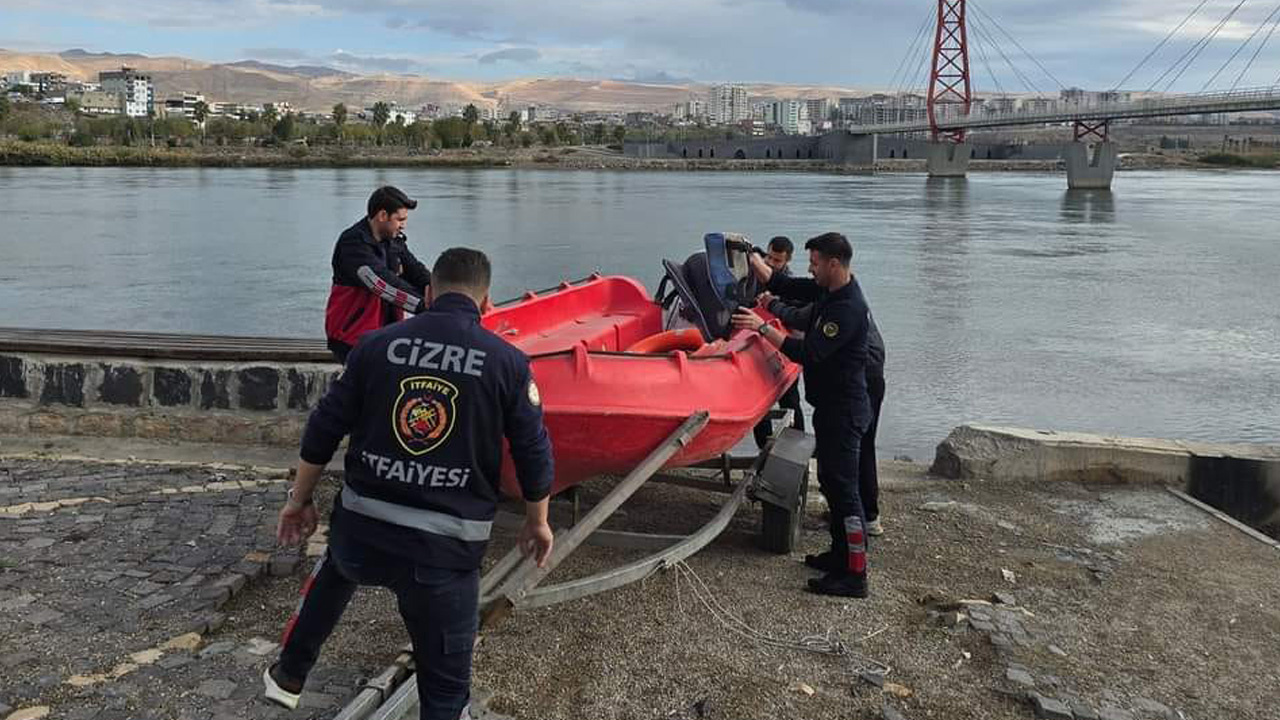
(777, 477)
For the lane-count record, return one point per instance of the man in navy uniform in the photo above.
(426, 403)
(834, 355)
(778, 257)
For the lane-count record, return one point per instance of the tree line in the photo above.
(35, 122)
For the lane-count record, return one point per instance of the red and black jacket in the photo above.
(374, 284)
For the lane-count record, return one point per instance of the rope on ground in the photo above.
(828, 644)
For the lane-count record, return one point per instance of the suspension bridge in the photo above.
(953, 110)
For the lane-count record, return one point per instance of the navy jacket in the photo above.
(427, 403)
(797, 317)
(834, 349)
(374, 283)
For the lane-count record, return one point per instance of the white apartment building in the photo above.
(135, 88)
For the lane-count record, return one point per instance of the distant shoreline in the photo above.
(27, 154)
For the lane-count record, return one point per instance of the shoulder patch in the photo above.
(830, 329)
(535, 397)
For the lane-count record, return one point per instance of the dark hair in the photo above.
(832, 245)
(390, 199)
(463, 268)
(782, 244)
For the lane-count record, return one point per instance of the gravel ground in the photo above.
(1130, 600)
(1119, 599)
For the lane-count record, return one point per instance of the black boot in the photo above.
(841, 584)
(826, 562)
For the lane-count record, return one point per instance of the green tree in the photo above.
(452, 132)
(71, 105)
(471, 114)
(5, 107)
(547, 134)
(201, 113)
(270, 115)
(284, 128)
(339, 118)
(512, 128)
(619, 134)
(381, 114)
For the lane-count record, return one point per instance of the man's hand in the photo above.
(761, 268)
(764, 299)
(297, 522)
(536, 539)
(746, 319)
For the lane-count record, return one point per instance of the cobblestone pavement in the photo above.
(112, 577)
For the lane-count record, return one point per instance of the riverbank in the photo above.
(26, 154)
(989, 599)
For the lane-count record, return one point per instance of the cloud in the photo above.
(518, 55)
(269, 53)
(365, 63)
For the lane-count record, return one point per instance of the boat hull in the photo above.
(606, 409)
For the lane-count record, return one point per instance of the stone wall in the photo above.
(238, 403)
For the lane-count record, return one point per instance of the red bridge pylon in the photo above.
(949, 85)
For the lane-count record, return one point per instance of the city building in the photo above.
(727, 104)
(48, 83)
(880, 108)
(134, 88)
(184, 105)
(789, 116)
(97, 102)
(692, 110)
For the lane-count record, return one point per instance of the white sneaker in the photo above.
(874, 528)
(277, 694)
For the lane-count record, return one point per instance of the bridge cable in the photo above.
(1045, 70)
(1195, 50)
(1160, 45)
(921, 33)
(981, 30)
(1241, 48)
(925, 59)
(982, 55)
(1258, 51)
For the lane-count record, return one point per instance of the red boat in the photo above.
(615, 383)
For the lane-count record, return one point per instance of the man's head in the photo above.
(461, 270)
(780, 252)
(389, 211)
(829, 258)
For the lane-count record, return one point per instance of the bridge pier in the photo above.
(948, 159)
(1086, 173)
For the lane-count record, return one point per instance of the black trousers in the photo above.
(838, 435)
(868, 478)
(790, 400)
(438, 606)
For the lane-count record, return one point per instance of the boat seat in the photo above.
(609, 332)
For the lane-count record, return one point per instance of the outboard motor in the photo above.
(709, 286)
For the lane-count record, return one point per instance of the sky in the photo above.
(846, 43)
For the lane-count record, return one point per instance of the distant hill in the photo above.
(318, 88)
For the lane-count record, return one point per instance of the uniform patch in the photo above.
(535, 397)
(424, 414)
(830, 329)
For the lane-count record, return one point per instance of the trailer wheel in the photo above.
(780, 528)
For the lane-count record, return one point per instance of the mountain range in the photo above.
(318, 88)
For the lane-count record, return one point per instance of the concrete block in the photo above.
(1090, 172)
(172, 387)
(948, 160)
(214, 392)
(63, 385)
(259, 387)
(121, 385)
(13, 379)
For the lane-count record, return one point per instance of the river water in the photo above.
(1152, 310)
